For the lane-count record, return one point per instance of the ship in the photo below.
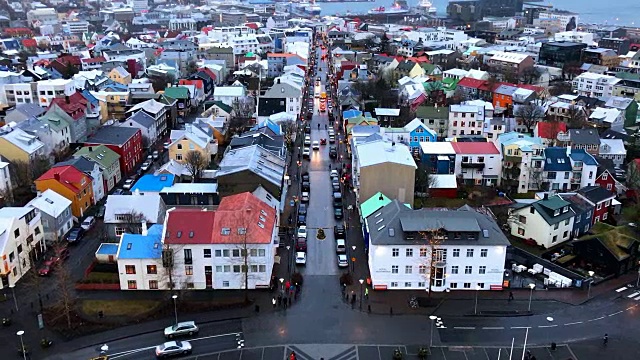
(305, 9)
(399, 7)
(426, 7)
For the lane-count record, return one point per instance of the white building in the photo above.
(522, 160)
(614, 150)
(465, 120)
(206, 248)
(140, 6)
(23, 93)
(75, 27)
(5, 177)
(21, 242)
(229, 94)
(594, 85)
(548, 221)
(478, 163)
(38, 17)
(225, 33)
(51, 89)
(468, 248)
(575, 36)
(563, 18)
(55, 211)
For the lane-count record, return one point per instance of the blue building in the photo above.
(440, 157)
(584, 213)
(557, 168)
(412, 134)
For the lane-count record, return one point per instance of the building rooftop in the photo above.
(379, 152)
(50, 203)
(153, 183)
(112, 135)
(141, 246)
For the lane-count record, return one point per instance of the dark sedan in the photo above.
(76, 234)
(337, 213)
(306, 186)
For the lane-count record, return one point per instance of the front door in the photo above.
(208, 274)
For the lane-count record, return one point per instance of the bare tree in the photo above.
(288, 129)
(560, 88)
(529, 114)
(576, 117)
(65, 290)
(195, 162)
(430, 256)
(131, 222)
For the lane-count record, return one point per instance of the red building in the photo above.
(601, 198)
(125, 141)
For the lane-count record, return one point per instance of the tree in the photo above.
(65, 290)
(192, 67)
(576, 117)
(288, 129)
(424, 180)
(131, 222)
(241, 116)
(530, 75)
(195, 162)
(159, 82)
(529, 114)
(560, 88)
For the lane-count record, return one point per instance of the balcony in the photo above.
(472, 165)
(575, 180)
(576, 167)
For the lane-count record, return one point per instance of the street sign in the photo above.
(353, 259)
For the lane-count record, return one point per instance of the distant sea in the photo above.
(617, 12)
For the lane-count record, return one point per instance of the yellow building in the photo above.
(120, 75)
(113, 105)
(197, 136)
(20, 146)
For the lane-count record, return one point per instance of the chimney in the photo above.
(56, 176)
(90, 148)
(144, 228)
(66, 98)
(546, 196)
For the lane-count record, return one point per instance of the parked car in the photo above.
(145, 165)
(332, 138)
(342, 261)
(302, 232)
(333, 152)
(306, 186)
(302, 209)
(150, 158)
(100, 212)
(305, 197)
(155, 155)
(181, 329)
(301, 258)
(305, 176)
(341, 246)
(76, 234)
(307, 140)
(48, 266)
(334, 173)
(117, 192)
(62, 253)
(173, 348)
(88, 222)
(338, 232)
(306, 153)
(337, 213)
(302, 219)
(128, 184)
(301, 244)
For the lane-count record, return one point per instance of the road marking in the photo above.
(573, 323)
(464, 327)
(493, 328)
(546, 326)
(634, 294)
(521, 327)
(615, 313)
(636, 298)
(622, 289)
(596, 319)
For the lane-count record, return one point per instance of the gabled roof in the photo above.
(582, 155)
(471, 82)
(255, 159)
(177, 92)
(618, 240)
(243, 218)
(112, 135)
(150, 206)
(80, 163)
(379, 152)
(479, 148)
(141, 246)
(549, 130)
(373, 204)
(101, 154)
(584, 136)
(556, 159)
(141, 118)
(69, 177)
(596, 194)
(50, 203)
(151, 106)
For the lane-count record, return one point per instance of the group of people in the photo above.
(288, 293)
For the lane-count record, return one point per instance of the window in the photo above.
(219, 268)
(236, 268)
(456, 252)
(394, 269)
(235, 252)
(188, 259)
(188, 270)
(454, 269)
(394, 284)
(565, 235)
(521, 231)
(555, 238)
(395, 252)
(37, 230)
(480, 159)
(218, 253)
(227, 268)
(179, 146)
(130, 269)
(484, 252)
(604, 216)
(207, 253)
(453, 285)
(178, 157)
(421, 284)
(467, 285)
(566, 222)
(605, 204)
(423, 252)
(409, 253)
(605, 176)
(468, 269)
(152, 269)
(555, 227)
(599, 207)
(481, 285)
(422, 269)
(132, 285)
(482, 270)
(225, 253)
(16, 232)
(225, 284)
(407, 284)
(153, 284)
(469, 252)
(408, 269)
(522, 219)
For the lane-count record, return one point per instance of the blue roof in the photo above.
(107, 249)
(582, 155)
(347, 114)
(90, 98)
(136, 246)
(153, 183)
(269, 124)
(556, 159)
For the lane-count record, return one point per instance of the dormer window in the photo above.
(556, 213)
(565, 209)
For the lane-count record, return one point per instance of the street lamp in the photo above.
(590, 282)
(175, 306)
(433, 319)
(353, 257)
(24, 353)
(475, 309)
(361, 282)
(13, 293)
(531, 286)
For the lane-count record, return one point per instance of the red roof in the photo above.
(94, 60)
(30, 43)
(208, 71)
(252, 25)
(470, 82)
(69, 176)
(70, 59)
(76, 107)
(549, 130)
(478, 148)
(189, 226)
(198, 83)
(244, 211)
(530, 87)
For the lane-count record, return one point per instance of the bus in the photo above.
(317, 89)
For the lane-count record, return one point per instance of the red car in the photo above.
(323, 141)
(48, 266)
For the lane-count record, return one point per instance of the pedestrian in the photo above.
(605, 340)
(511, 296)
(279, 300)
(344, 288)
(287, 285)
(353, 299)
(273, 301)
(285, 302)
(366, 293)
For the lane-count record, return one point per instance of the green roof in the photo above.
(226, 108)
(428, 68)
(450, 83)
(54, 121)
(615, 238)
(554, 203)
(627, 76)
(100, 154)
(431, 112)
(358, 119)
(373, 204)
(177, 92)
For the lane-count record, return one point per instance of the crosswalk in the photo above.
(629, 292)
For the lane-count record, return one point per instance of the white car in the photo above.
(181, 329)
(173, 348)
(302, 232)
(307, 140)
(306, 153)
(128, 184)
(305, 197)
(334, 173)
(301, 258)
(316, 145)
(145, 165)
(342, 261)
(88, 222)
